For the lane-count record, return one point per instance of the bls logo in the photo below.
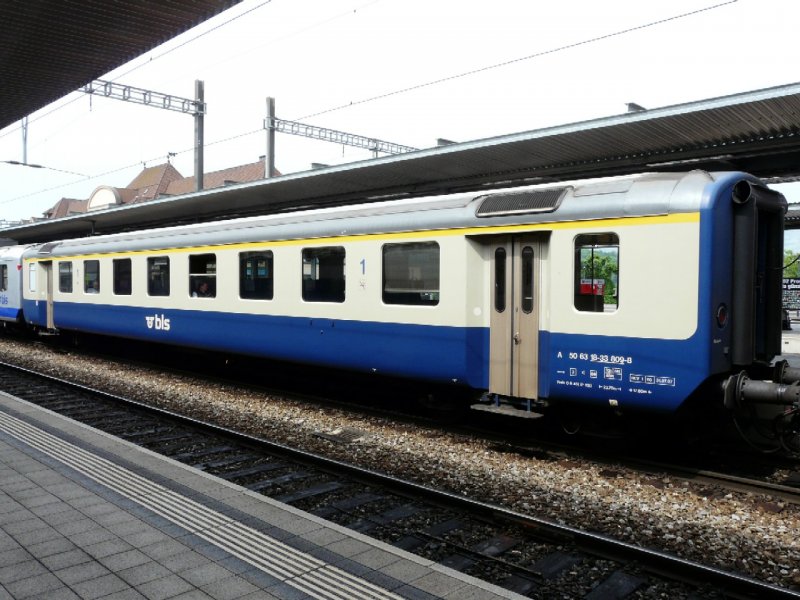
(159, 322)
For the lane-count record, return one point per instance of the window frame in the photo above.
(151, 262)
(527, 256)
(324, 289)
(61, 277)
(591, 301)
(398, 288)
(500, 283)
(198, 277)
(32, 277)
(265, 282)
(117, 288)
(87, 280)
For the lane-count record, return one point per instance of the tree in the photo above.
(791, 264)
(602, 264)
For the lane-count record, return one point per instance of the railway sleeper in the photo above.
(414, 541)
(553, 565)
(519, 584)
(87, 414)
(180, 444)
(496, 545)
(268, 483)
(347, 504)
(392, 515)
(459, 562)
(317, 490)
(221, 463)
(162, 440)
(62, 406)
(151, 429)
(195, 454)
(123, 425)
(619, 585)
(258, 469)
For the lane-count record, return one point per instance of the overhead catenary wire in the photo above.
(512, 61)
(472, 72)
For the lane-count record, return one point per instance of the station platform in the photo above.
(87, 515)
(790, 345)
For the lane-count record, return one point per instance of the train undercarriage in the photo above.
(766, 409)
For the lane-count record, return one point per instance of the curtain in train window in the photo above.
(91, 276)
(597, 272)
(3, 278)
(65, 277)
(255, 275)
(411, 273)
(158, 276)
(323, 274)
(32, 277)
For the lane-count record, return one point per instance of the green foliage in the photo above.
(789, 258)
(602, 264)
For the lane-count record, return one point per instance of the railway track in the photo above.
(732, 465)
(531, 556)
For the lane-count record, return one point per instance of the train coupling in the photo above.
(739, 390)
(766, 413)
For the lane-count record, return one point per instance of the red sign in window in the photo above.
(594, 287)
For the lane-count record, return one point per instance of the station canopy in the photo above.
(756, 132)
(49, 48)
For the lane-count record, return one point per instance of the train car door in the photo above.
(47, 276)
(514, 322)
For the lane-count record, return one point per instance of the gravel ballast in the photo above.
(754, 535)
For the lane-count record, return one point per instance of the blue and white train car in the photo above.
(630, 292)
(11, 284)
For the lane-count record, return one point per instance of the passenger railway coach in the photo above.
(629, 292)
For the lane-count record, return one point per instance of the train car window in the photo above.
(323, 274)
(527, 280)
(256, 275)
(32, 277)
(500, 280)
(411, 273)
(91, 276)
(65, 277)
(203, 275)
(597, 272)
(122, 276)
(3, 278)
(158, 276)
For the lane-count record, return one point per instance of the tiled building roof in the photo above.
(66, 207)
(158, 181)
(241, 174)
(152, 182)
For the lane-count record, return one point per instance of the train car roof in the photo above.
(630, 196)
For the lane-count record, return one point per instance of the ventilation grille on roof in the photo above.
(47, 248)
(513, 203)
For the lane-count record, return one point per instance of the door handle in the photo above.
(517, 339)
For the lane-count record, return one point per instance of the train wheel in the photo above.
(443, 405)
(571, 425)
(757, 433)
(789, 429)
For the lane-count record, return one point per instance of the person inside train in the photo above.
(203, 290)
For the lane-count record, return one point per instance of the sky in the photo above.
(404, 71)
